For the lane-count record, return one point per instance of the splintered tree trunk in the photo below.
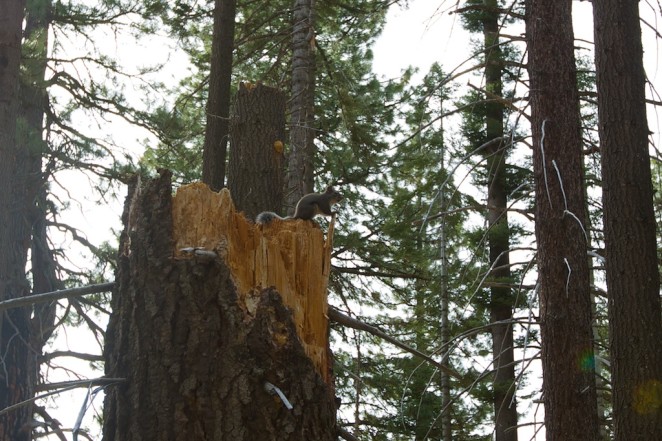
(565, 304)
(200, 334)
(635, 321)
(218, 101)
(256, 166)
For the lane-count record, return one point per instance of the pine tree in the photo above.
(489, 115)
(633, 284)
(565, 307)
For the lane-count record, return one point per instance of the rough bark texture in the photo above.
(501, 298)
(18, 372)
(218, 100)
(565, 306)
(635, 320)
(195, 342)
(256, 156)
(301, 109)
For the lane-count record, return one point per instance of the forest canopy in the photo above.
(495, 262)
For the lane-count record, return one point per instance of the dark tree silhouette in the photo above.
(218, 100)
(633, 284)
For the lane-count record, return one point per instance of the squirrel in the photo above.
(308, 207)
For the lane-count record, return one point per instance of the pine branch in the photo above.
(50, 423)
(487, 9)
(346, 320)
(346, 435)
(504, 102)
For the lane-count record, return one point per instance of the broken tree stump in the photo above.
(291, 256)
(203, 338)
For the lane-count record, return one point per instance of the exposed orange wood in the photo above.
(291, 256)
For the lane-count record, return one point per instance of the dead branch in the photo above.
(79, 355)
(339, 317)
(55, 295)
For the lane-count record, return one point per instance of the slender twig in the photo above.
(56, 295)
(74, 385)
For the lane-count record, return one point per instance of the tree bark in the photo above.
(18, 373)
(635, 320)
(565, 306)
(218, 99)
(198, 346)
(301, 107)
(501, 299)
(255, 174)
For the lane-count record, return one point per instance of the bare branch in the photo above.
(56, 295)
(79, 355)
(74, 384)
(346, 320)
(344, 434)
(68, 386)
(50, 422)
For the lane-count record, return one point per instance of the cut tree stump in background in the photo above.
(257, 151)
(199, 339)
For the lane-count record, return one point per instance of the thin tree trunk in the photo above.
(501, 303)
(635, 320)
(218, 100)
(565, 305)
(445, 333)
(302, 135)
(601, 385)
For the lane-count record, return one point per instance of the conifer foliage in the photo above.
(473, 259)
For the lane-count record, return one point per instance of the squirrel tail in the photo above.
(267, 216)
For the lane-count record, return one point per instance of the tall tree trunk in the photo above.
(302, 135)
(501, 302)
(34, 100)
(565, 305)
(218, 99)
(18, 372)
(635, 320)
